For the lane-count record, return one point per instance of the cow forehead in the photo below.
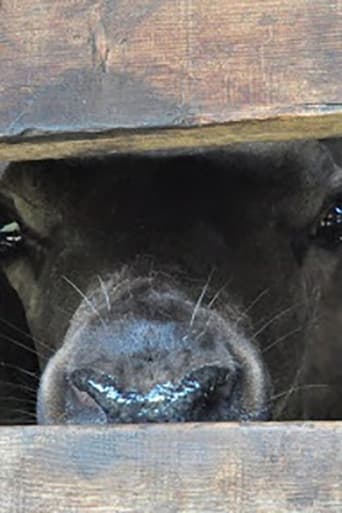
(300, 165)
(303, 162)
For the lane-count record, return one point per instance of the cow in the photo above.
(180, 287)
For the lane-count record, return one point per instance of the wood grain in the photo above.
(98, 75)
(193, 468)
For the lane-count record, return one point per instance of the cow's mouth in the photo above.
(200, 395)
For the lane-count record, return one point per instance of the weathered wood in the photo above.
(269, 468)
(246, 70)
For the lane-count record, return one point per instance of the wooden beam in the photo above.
(134, 75)
(256, 468)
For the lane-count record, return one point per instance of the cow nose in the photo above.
(188, 399)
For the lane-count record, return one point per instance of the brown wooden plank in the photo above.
(269, 468)
(247, 70)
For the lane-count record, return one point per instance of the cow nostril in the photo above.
(80, 407)
(181, 401)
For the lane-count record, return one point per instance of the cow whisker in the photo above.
(299, 388)
(105, 292)
(19, 386)
(20, 369)
(200, 299)
(27, 414)
(88, 302)
(23, 346)
(26, 334)
(10, 398)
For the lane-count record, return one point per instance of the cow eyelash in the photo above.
(11, 228)
(15, 236)
(327, 231)
(11, 237)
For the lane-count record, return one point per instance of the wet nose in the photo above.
(185, 400)
(153, 371)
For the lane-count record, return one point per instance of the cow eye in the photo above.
(328, 232)
(11, 237)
